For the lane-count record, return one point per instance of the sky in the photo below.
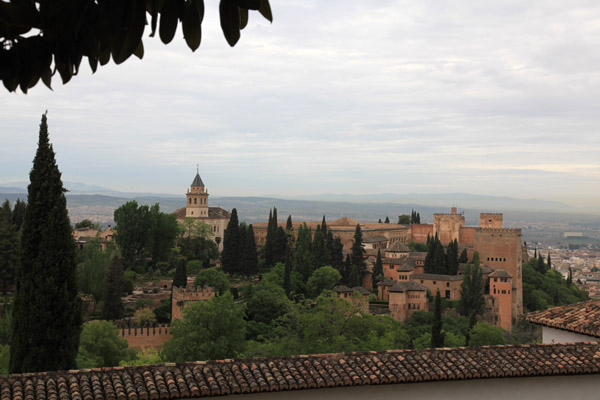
(494, 98)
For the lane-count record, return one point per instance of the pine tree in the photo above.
(231, 244)
(418, 219)
(354, 277)
(377, 270)
(452, 258)
(463, 259)
(437, 335)
(250, 260)
(9, 246)
(380, 221)
(113, 304)
(358, 255)
(47, 310)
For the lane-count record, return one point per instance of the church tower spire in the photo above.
(197, 198)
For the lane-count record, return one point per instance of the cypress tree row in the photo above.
(231, 244)
(47, 310)
(463, 259)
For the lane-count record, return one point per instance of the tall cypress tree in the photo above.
(439, 259)
(549, 262)
(279, 245)
(250, 260)
(452, 258)
(321, 256)
(463, 257)
(288, 224)
(47, 310)
(180, 278)
(324, 226)
(358, 254)
(387, 220)
(377, 270)
(336, 253)
(113, 304)
(242, 232)
(541, 265)
(269, 240)
(287, 272)
(437, 335)
(9, 246)
(231, 244)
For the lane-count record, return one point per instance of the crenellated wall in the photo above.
(182, 296)
(138, 338)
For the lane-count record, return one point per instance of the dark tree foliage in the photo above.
(358, 255)
(303, 259)
(231, 244)
(415, 217)
(435, 260)
(113, 304)
(287, 272)
(347, 270)
(541, 265)
(535, 253)
(321, 256)
(249, 261)
(47, 310)
(452, 258)
(463, 259)
(163, 229)
(471, 301)
(198, 248)
(18, 214)
(86, 223)
(437, 335)
(180, 278)
(354, 278)
(324, 226)
(569, 279)
(41, 37)
(387, 220)
(404, 219)
(377, 270)
(9, 246)
(336, 254)
(288, 224)
(269, 250)
(279, 245)
(549, 263)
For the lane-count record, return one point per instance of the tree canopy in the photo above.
(41, 37)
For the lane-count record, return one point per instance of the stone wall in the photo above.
(138, 338)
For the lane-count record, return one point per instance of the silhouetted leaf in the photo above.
(134, 33)
(168, 20)
(139, 51)
(230, 21)
(243, 17)
(191, 25)
(249, 4)
(265, 10)
(47, 78)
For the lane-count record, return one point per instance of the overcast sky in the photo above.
(494, 98)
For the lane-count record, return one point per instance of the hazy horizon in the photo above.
(389, 97)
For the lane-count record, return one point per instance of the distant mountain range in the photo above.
(98, 203)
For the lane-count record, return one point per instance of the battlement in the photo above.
(139, 337)
(490, 220)
(508, 231)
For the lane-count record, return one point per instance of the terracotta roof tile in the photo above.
(214, 378)
(581, 317)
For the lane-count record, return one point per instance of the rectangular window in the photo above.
(447, 294)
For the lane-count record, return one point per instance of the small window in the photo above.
(447, 284)
(434, 282)
(494, 290)
(505, 259)
(447, 294)
(195, 201)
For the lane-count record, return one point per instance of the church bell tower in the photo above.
(197, 199)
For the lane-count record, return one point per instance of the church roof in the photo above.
(344, 221)
(197, 180)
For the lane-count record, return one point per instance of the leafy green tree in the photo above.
(46, 294)
(214, 278)
(194, 228)
(144, 316)
(437, 335)
(113, 289)
(93, 267)
(231, 244)
(541, 265)
(4, 359)
(101, 346)
(483, 334)
(163, 311)
(132, 232)
(266, 302)
(86, 223)
(210, 330)
(164, 228)
(9, 246)
(404, 219)
(199, 248)
(324, 278)
(377, 270)
(358, 254)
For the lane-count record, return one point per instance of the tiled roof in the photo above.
(484, 268)
(500, 273)
(398, 247)
(342, 289)
(437, 277)
(393, 261)
(386, 282)
(582, 317)
(408, 286)
(272, 374)
(418, 255)
(375, 239)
